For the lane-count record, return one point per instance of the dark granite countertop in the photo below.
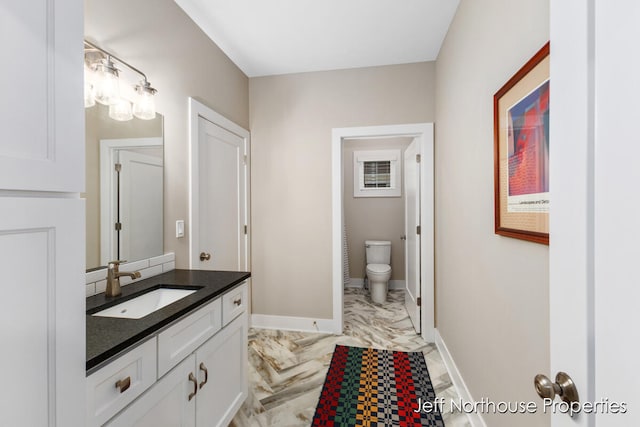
(108, 337)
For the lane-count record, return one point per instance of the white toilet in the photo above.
(378, 258)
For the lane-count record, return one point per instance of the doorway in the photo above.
(422, 133)
(381, 202)
(218, 192)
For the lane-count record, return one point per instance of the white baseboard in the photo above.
(356, 282)
(289, 323)
(456, 378)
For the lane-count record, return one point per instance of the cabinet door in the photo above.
(42, 319)
(166, 403)
(41, 107)
(224, 359)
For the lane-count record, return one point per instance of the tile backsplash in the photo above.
(96, 281)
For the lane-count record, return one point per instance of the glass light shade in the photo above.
(145, 107)
(106, 87)
(89, 98)
(120, 110)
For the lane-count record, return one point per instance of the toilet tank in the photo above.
(378, 251)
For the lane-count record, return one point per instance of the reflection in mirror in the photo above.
(124, 188)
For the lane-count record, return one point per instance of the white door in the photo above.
(42, 319)
(140, 205)
(221, 176)
(42, 312)
(219, 162)
(411, 229)
(42, 139)
(594, 227)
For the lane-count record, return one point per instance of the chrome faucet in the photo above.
(113, 278)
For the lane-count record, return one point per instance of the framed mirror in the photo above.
(124, 188)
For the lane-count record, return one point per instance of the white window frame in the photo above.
(392, 156)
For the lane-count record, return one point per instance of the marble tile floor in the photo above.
(287, 369)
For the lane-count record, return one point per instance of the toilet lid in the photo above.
(379, 268)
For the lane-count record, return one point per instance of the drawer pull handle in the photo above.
(238, 302)
(206, 374)
(195, 385)
(123, 385)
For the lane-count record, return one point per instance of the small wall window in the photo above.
(376, 173)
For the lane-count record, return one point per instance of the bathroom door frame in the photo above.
(109, 149)
(424, 134)
(198, 110)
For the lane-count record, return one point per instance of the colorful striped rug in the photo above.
(368, 387)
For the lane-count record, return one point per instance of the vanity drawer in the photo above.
(116, 385)
(234, 303)
(178, 341)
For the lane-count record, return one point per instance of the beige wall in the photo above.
(291, 121)
(372, 218)
(157, 37)
(492, 292)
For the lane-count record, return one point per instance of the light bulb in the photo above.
(145, 107)
(120, 110)
(106, 88)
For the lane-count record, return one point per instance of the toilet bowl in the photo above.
(378, 270)
(378, 275)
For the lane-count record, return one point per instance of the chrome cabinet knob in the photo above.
(563, 387)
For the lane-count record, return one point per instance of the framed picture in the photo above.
(521, 152)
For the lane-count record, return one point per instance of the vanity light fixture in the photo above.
(106, 90)
(120, 110)
(145, 107)
(102, 84)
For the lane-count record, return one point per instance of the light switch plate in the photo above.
(180, 228)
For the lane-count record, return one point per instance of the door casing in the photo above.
(424, 133)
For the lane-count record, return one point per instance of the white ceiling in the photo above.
(266, 37)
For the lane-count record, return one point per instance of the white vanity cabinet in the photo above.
(167, 403)
(202, 368)
(225, 358)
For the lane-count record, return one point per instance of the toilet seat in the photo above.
(378, 268)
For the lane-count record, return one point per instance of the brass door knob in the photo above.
(205, 256)
(563, 387)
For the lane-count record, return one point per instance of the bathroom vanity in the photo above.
(184, 364)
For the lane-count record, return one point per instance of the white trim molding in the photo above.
(424, 133)
(289, 323)
(456, 378)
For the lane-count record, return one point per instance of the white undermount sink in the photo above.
(145, 304)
